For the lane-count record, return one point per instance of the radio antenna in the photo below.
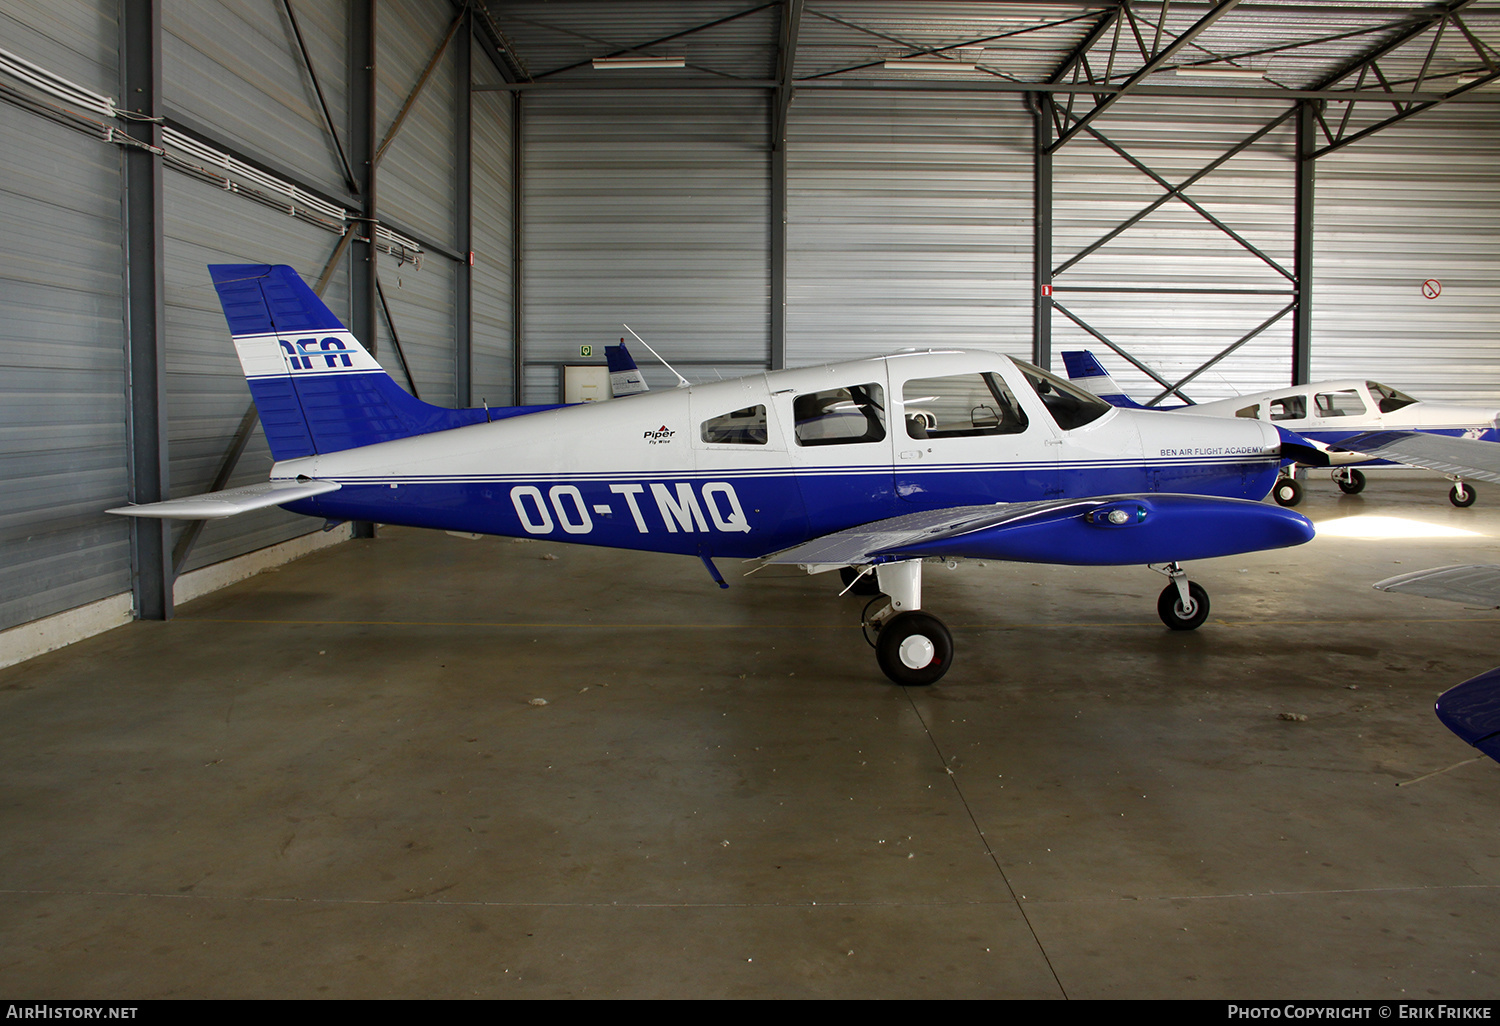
(682, 382)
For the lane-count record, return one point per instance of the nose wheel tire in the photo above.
(1172, 612)
(1288, 492)
(914, 649)
(1351, 483)
(1461, 495)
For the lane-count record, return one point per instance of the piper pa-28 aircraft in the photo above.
(869, 467)
(1330, 414)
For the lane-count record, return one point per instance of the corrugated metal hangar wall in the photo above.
(556, 217)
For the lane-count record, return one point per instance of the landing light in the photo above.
(1115, 516)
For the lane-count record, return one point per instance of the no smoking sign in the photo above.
(1432, 288)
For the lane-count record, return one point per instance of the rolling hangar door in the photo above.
(782, 183)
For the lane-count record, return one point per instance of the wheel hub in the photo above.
(917, 652)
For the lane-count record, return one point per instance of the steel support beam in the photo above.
(1041, 222)
(145, 323)
(1304, 210)
(363, 287)
(463, 169)
(517, 251)
(781, 101)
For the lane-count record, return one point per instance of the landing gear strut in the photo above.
(913, 648)
(1183, 605)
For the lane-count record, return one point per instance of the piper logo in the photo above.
(661, 436)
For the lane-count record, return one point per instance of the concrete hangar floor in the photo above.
(423, 766)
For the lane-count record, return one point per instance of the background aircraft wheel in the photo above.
(1288, 491)
(914, 649)
(867, 584)
(1461, 495)
(1351, 484)
(1169, 607)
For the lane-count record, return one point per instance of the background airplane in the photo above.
(1330, 414)
(871, 466)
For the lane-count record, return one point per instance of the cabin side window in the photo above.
(840, 416)
(1069, 405)
(739, 427)
(959, 406)
(1343, 403)
(1292, 407)
(1250, 412)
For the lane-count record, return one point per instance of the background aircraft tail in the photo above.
(1085, 369)
(316, 388)
(624, 376)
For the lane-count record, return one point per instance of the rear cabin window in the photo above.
(741, 427)
(1343, 403)
(1069, 405)
(1251, 412)
(840, 416)
(1293, 407)
(1387, 398)
(960, 406)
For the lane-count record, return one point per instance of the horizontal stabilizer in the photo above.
(1462, 457)
(1472, 711)
(216, 505)
(1110, 531)
(1473, 585)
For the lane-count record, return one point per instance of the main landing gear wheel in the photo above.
(914, 649)
(1172, 612)
(1461, 495)
(1288, 491)
(1350, 482)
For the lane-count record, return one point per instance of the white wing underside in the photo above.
(1474, 585)
(1461, 457)
(216, 505)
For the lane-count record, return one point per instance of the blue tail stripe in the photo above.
(1083, 364)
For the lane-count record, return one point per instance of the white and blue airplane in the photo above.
(870, 467)
(1349, 420)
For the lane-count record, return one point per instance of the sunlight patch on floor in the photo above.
(1380, 528)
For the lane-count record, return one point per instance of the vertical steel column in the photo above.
(777, 354)
(363, 294)
(1302, 241)
(145, 332)
(517, 260)
(463, 343)
(1041, 219)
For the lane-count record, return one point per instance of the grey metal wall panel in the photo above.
(62, 371)
(206, 390)
(416, 182)
(647, 209)
(75, 40)
(909, 224)
(1175, 249)
(493, 227)
(1416, 201)
(233, 65)
(422, 303)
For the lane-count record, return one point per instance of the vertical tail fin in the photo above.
(316, 388)
(1085, 369)
(624, 376)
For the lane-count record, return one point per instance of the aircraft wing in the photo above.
(1102, 531)
(1473, 585)
(216, 505)
(1472, 711)
(1463, 457)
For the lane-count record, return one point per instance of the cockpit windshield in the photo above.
(1069, 405)
(1387, 398)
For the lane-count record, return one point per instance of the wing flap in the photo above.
(1104, 531)
(1462, 457)
(229, 502)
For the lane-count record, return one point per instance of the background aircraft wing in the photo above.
(1472, 711)
(1102, 531)
(215, 505)
(1462, 457)
(1473, 585)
